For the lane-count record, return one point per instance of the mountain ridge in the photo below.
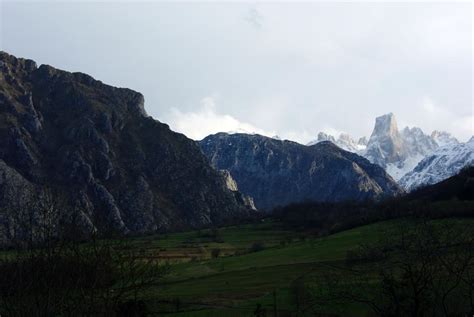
(276, 172)
(117, 168)
(398, 152)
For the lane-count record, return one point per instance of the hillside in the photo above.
(457, 187)
(93, 149)
(276, 173)
(445, 162)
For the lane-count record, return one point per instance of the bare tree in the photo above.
(418, 268)
(49, 274)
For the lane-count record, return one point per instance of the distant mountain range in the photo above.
(408, 155)
(277, 173)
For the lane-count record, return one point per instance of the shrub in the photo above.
(215, 253)
(257, 246)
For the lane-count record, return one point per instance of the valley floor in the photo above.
(256, 266)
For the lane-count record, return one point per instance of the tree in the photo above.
(49, 274)
(215, 252)
(420, 268)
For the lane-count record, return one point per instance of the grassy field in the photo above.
(239, 278)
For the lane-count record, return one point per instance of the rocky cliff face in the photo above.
(92, 144)
(397, 152)
(276, 172)
(386, 145)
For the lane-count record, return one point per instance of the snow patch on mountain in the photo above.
(398, 171)
(445, 162)
(344, 141)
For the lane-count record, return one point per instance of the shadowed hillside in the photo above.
(92, 145)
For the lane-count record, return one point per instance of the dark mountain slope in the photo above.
(458, 187)
(276, 172)
(93, 144)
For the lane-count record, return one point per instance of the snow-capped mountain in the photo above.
(386, 145)
(349, 144)
(443, 138)
(444, 162)
(397, 151)
(418, 143)
(322, 137)
(344, 141)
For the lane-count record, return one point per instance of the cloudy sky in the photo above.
(272, 68)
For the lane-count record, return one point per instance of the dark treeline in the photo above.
(415, 268)
(453, 197)
(101, 278)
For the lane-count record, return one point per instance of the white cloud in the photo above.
(292, 68)
(254, 18)
(430, 115)
(206, 120)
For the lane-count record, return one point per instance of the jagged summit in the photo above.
(385, 125)
(417, 142)
(325, 137)
(398, 152)
(344, 141)
(443, 138)
(385, 145)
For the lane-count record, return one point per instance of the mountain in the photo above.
(443, 138)
(93, 145)
(344, 141)
(459, 187)
(398, 152)
(386, 146)
(446, 161)
(276, 172)
(418, 143)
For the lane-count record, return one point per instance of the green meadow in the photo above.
(256, 266)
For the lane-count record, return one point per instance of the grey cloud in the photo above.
(310, 67)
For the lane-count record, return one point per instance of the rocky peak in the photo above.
(417, 142)
(346, 142)
(325, 137)
(362, 141)
(346, 137)
(443, 138)
(386, 144)
(397, 152)
(385, 126)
